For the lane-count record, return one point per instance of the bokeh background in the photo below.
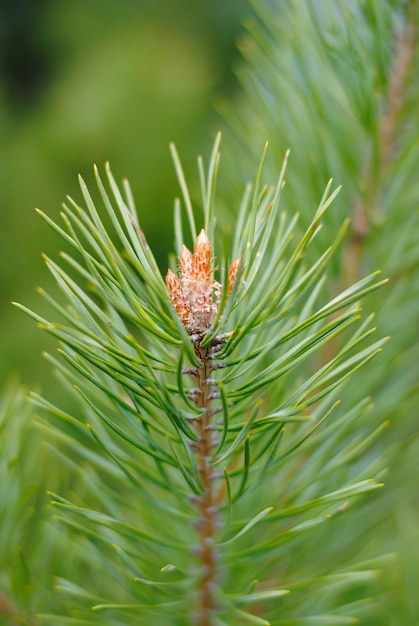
(84, 83)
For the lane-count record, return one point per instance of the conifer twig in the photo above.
(206, 505)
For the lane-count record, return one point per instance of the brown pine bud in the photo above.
(196, 295)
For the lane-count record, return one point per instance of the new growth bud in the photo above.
(196, 295)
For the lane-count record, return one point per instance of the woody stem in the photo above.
(205, 502)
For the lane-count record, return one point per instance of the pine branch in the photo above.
(195, 396)
(366, 206)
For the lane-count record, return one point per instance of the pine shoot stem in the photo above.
(206, 502)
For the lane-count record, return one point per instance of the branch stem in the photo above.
(206, 503)
(375, 169)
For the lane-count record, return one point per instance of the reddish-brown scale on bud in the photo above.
(176, 295)
(185, 262)
(232, 274)
(202, 258)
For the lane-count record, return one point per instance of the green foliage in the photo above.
(261, 411)
(283, 452)
(26, 544)
(335, 82)
(19, 508)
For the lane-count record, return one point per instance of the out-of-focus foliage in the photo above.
(86, 82)
(336, 82)
(30, 548)
(36, 551)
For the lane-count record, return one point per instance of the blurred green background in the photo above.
(83, 83)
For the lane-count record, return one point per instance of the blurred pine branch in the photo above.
(336, 81)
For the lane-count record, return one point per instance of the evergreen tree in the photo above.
(223, 457)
